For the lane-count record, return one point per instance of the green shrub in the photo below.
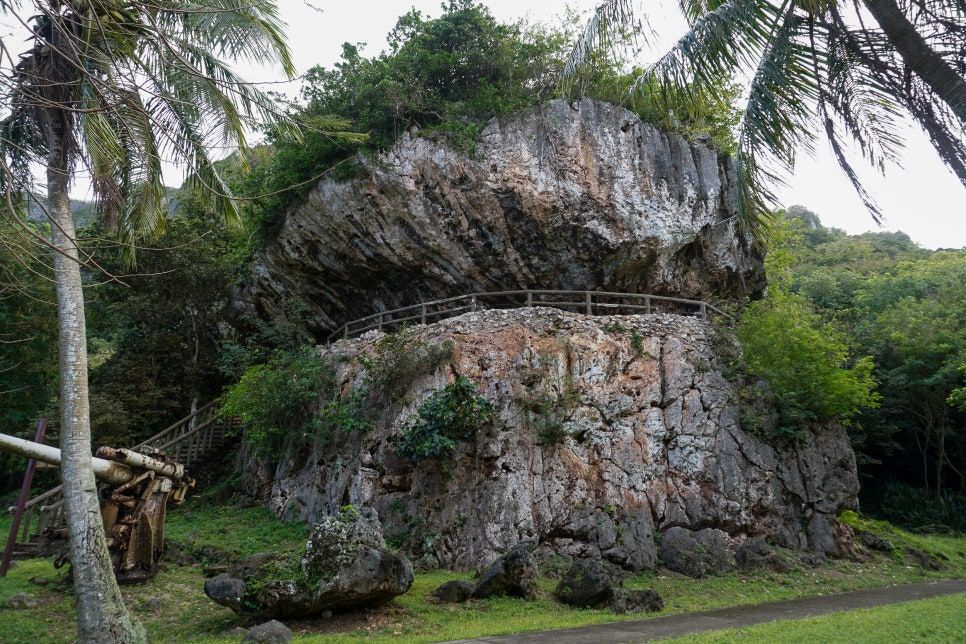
(399, 359)
(451, 415)
(292, 397)
(805, 361)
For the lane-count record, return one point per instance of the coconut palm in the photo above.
(846, 70)
(114, 87)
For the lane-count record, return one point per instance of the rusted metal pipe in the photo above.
(141, 461)
(107, 471)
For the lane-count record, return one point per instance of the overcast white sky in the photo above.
(923, 200)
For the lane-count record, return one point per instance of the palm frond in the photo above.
(776, 122)
(604, 29)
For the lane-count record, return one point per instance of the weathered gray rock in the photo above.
(455, 591)
(649, 439)
(567, 195)
(636, 601)
(226, 590)
(514, 575)
(588, 583)
(873, 541)
(755, 554)
(345, 566)
(696, 554)
(273, 632)
(21, 601)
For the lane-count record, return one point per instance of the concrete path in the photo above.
(658, 628)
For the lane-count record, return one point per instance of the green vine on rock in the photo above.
(449, 416)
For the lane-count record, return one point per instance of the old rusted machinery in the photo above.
(134, 491)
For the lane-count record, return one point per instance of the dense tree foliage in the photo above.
(446, 75)
(156, 337)
(809, 374)
(28, 340)
(906, 308)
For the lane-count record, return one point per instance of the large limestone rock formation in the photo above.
(568, 196)
(606, 431)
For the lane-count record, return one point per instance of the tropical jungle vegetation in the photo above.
(878, 319)
(879, 323)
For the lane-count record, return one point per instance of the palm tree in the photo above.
(116, 86)
(814, 66)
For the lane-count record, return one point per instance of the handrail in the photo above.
(172, 428)
(589, 302)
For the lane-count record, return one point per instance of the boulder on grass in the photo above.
(514, 574)
(696, 554)
(636, 601)
(589, 583)
(455, 591)
(273, 632)
(21, 601)
(345, 566)
(755, 554)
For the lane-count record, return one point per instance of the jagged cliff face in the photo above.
(567, 196)
(647, 439)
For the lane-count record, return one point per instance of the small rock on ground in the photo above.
(273, 632)
(21, 601)
(455, 591)
(636, 601)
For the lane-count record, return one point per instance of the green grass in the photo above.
(185, 613)
(239, 531)
(942, 619)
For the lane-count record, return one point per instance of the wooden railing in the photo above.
(189, 440)
(588, 302)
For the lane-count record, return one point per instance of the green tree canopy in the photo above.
(806, 361)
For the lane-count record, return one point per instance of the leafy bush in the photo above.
(454, 414)
(806, 363)
(399, 359)
(280, 399)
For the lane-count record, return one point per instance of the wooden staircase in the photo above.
(193, 439)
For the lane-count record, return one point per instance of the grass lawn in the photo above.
(173, 606)
(942, 619)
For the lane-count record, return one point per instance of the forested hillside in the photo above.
(905, 308)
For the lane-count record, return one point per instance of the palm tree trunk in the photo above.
(919, 56)
(101, 614)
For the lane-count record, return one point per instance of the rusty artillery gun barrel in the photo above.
(111, 472)
(134, 493)
(170, 469)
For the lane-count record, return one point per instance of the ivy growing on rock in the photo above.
(448, 417)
